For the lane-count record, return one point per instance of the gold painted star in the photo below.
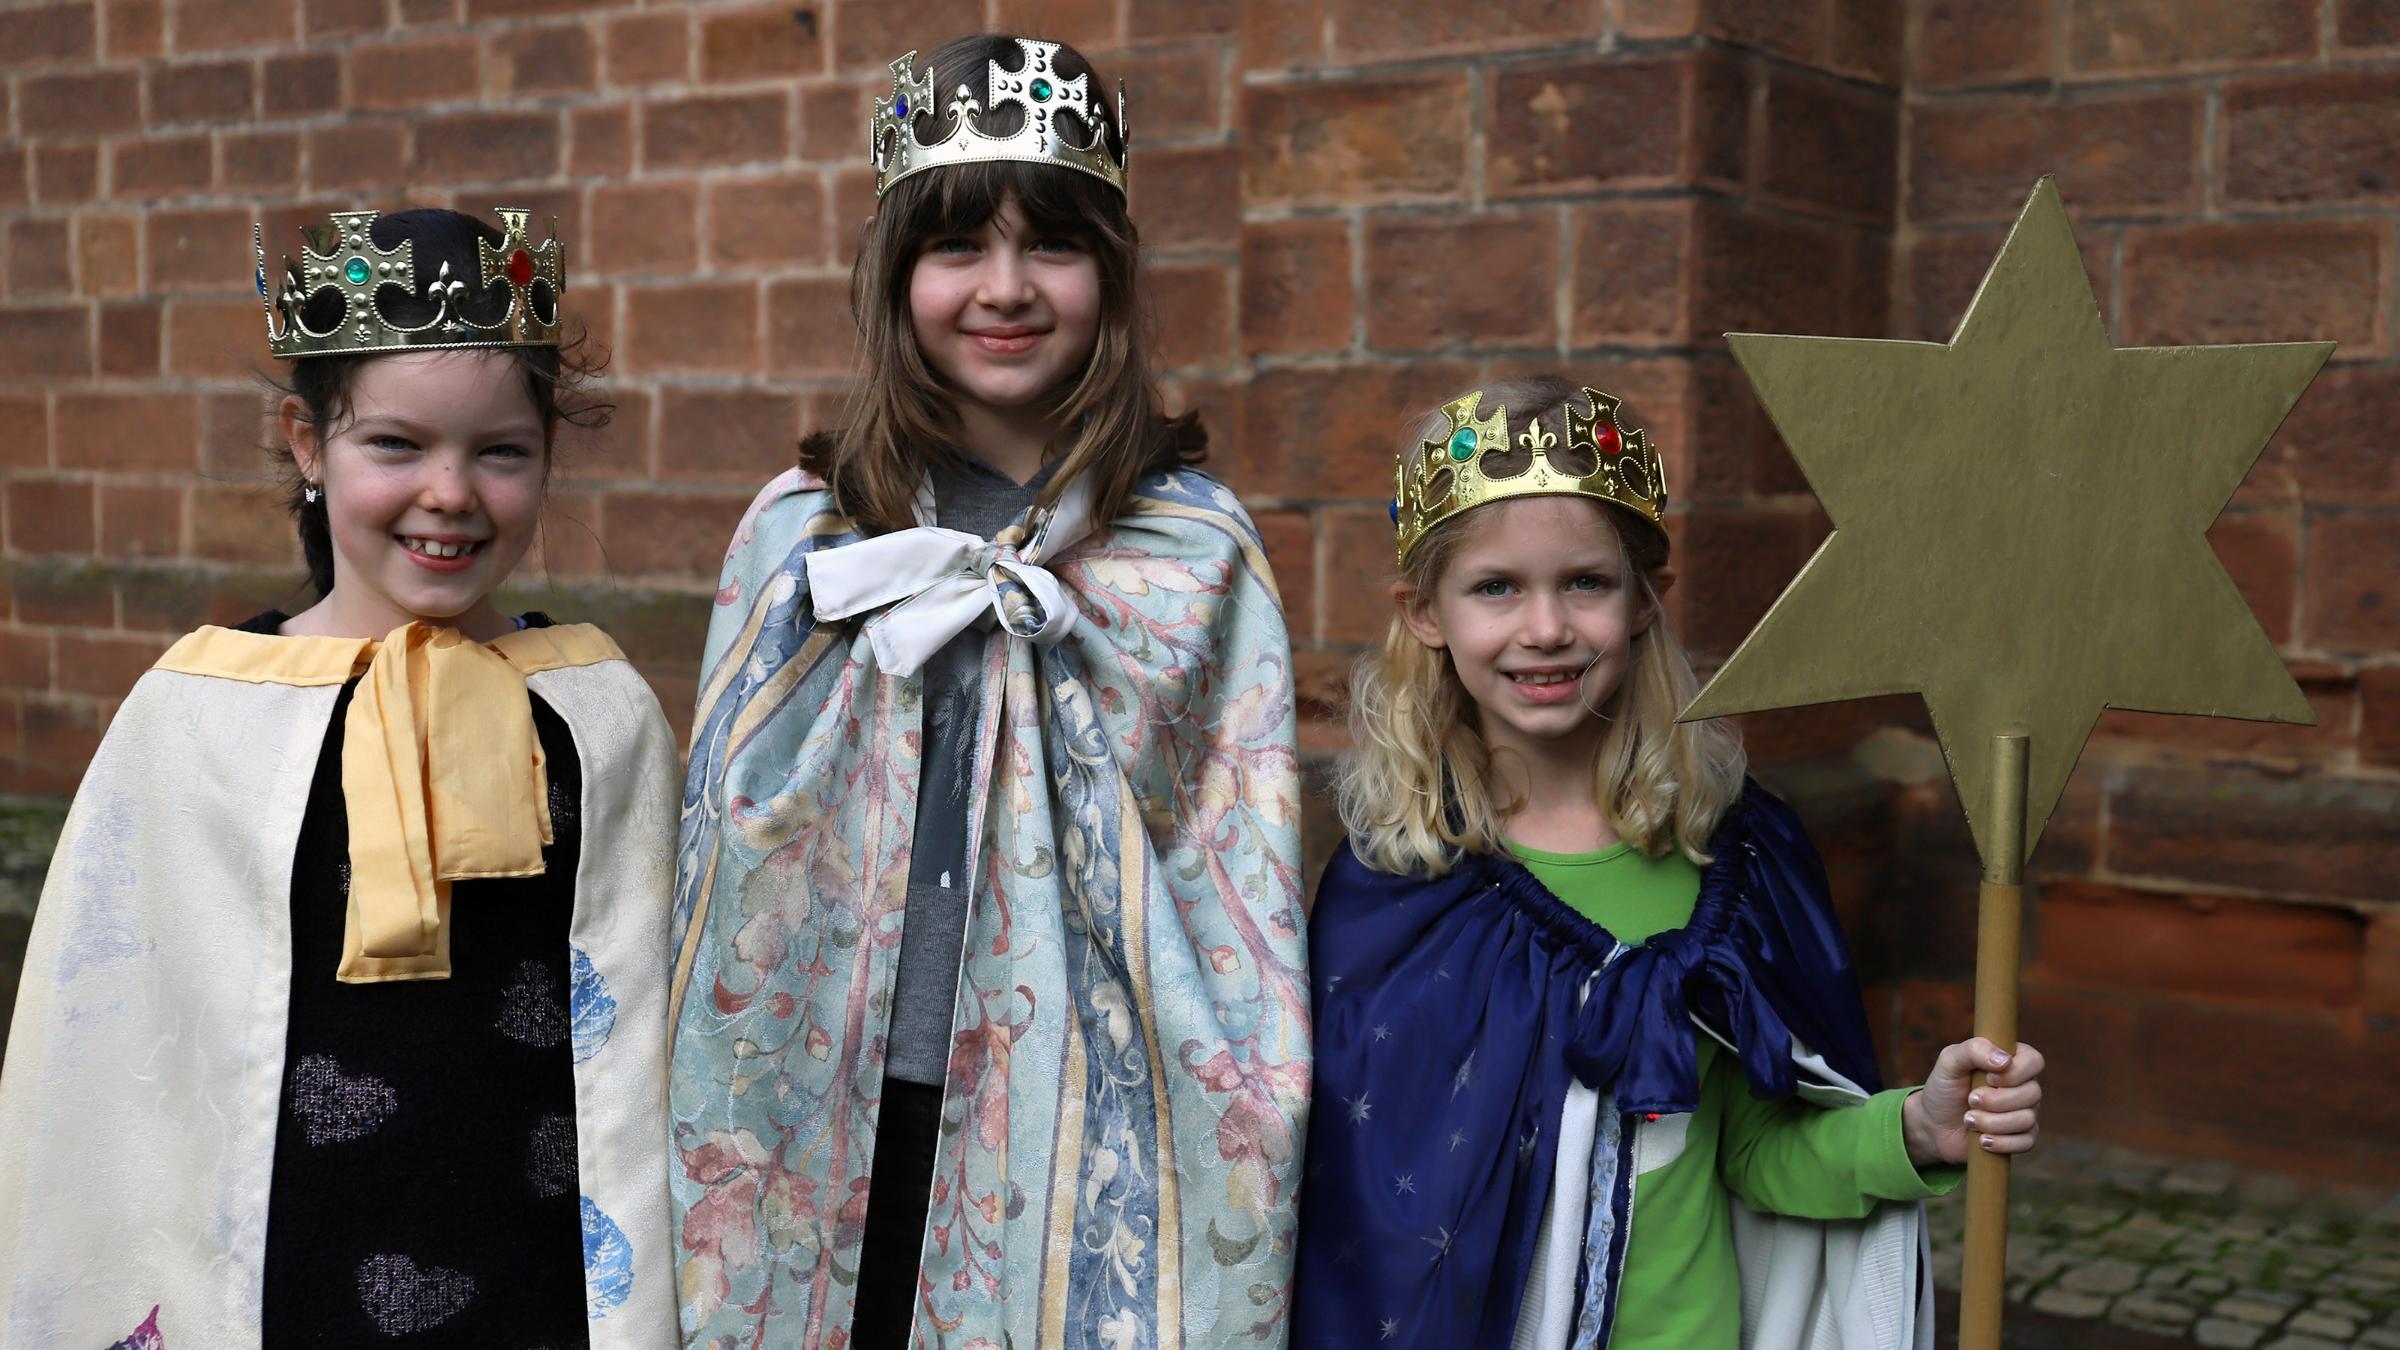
(2020, 523)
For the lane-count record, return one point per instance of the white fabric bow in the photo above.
(939, 582)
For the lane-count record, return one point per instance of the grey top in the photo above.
(971, 496)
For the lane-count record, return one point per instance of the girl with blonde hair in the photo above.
(1572, 970)
(991, 1016)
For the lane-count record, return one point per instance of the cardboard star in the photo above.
(2020, 523)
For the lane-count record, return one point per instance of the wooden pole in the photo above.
(1998, 940)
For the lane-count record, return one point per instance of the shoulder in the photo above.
(1763, 826)
(1350, 883)
(589, 682)
(1199, 514)
(1192, 496)
(793, 503)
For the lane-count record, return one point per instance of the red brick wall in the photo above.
(2221, 900)
(1353, 208)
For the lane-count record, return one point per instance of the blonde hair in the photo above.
(1112, 430)
(1416, 791)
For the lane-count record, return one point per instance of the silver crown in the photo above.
(1034, 86)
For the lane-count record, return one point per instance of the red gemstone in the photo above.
(1610, 442)
(520, 268)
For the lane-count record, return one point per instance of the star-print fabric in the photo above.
(1452, 1016)
(424, 1189)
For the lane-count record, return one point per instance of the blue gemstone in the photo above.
(900, 106)
(262, 281)
(1395, 512)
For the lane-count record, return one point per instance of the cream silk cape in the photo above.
(145, 1065)
(1129, 1068)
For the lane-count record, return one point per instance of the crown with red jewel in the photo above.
(1048, 101)
(1475, 463)
(513, 301)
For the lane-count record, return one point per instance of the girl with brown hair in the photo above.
(991, 1012)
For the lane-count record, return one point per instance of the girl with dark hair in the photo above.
(991, 1011)
(340, 1018)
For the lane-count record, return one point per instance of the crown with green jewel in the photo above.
(1475, 464)
(342, 257)
(1035, 86)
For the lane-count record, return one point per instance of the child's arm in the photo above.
(1787, 1157)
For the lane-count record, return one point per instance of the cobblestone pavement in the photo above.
(2118, 1249)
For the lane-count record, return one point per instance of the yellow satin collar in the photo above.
(442, 773)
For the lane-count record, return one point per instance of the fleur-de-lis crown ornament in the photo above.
(341, 259)
(1061, 125)
(1474, 463)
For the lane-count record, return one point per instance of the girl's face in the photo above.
(1007, 314)
(433, 488)
(1538, 612)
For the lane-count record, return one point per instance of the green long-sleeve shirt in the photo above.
(1681, 1288)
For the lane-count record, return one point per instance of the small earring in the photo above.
(310, 494)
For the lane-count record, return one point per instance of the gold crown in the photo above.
(1474, 465)
(342, 257)
(1034, 86)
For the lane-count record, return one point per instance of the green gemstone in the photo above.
(1041, 91)
(1462, 444)
(356, 271)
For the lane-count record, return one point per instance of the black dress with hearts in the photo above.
(424, 1189)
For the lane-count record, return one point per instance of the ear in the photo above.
(300, 433)
(1662, 580)
(1416, 610)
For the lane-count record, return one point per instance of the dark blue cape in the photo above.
(1447, 1031)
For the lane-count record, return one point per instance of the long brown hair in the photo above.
(1113, 433)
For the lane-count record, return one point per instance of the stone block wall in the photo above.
(2216, 900)
(1352, 209)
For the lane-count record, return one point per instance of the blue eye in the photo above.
(1593, 581)
(508, 451)
(953, 245)
(1494, 588)
(387, 441)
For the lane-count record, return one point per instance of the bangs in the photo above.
(1059, 201)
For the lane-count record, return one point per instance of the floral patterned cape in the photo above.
(1128, 1078)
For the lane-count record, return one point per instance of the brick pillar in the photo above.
(1468, 192)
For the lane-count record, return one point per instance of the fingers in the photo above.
(1982, 1054)
(2000, 1122)
(1962, 1058)
(2023, 1067)
(2008, 1143)
(2005, 1098)
(1976, 1054)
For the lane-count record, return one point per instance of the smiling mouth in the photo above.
(1007, 341)
(1543, 677)
(435, 548)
